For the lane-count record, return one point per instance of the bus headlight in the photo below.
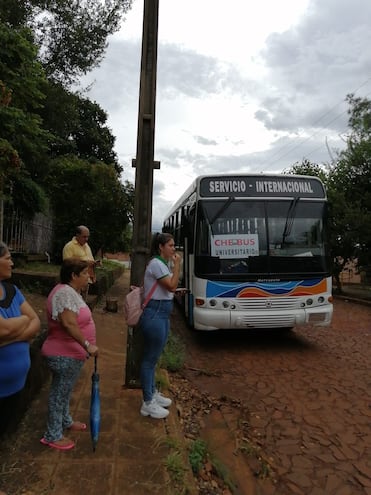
(309, 302)
(212, 302)
(225, 304)
(321, 299)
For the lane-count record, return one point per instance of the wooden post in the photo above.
(144, 164)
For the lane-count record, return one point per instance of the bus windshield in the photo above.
(264, 238)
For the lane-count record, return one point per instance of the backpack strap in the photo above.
(148, 298)
(9, 293)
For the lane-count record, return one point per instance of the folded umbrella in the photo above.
(95, 406)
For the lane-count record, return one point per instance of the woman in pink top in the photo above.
(70, 341)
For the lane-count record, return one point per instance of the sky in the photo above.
(242, 87)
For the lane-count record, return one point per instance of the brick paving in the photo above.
(131, 450)
(299, 404)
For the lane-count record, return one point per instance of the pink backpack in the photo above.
(133, 305)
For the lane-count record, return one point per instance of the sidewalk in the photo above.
(132, 449)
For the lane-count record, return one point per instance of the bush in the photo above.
(173, 356)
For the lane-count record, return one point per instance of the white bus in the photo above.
(255, 253)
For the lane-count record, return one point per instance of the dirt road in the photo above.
(293, 410)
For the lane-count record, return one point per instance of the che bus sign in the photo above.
(234, 245)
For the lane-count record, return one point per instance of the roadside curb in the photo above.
(174, 431)
(344, 297)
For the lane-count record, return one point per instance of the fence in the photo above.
(28, 236)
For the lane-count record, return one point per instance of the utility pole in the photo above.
(144, 164)
(1, 216)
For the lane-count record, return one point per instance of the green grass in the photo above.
(197, 455)
(173, 357)
(43, 267)
(174, 466)
(40, 267)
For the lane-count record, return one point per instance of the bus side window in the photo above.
(188, 228)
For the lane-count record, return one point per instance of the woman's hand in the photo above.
(176, 259)
(171, 283)
(92, 350)
(68, 320)
(21, 328)
(33, 327)
(13, 329)
(181, 291)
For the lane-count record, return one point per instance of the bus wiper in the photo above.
(221, 209)
(290, 219)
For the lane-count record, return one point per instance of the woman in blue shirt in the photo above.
(18, 325)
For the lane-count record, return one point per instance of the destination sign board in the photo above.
(234, 245)
(261, 186)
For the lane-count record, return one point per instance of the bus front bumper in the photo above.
(214, 319)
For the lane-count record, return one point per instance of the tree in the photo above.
(95, 197)
(24, 82)
(348, 186)
(360, 118)
(349, 182)
(79, 127)
(23, 142)
(322, 172)
(94, 140)
(71, 36)
(60, 138)
(308, 168)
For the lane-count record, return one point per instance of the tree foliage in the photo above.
(71, 35)
(79, 127)
(348, 186)
(55, 145)
(308, 168)
(94, 140)
(23, 82)
(15, 13)
(350, 181)
(96, 198)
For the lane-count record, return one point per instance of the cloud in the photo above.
(205, 141)
(312, 67)
(240, 102)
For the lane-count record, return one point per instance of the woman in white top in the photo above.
(155, 320)
(71, 339)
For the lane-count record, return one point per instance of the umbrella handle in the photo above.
(95, 363)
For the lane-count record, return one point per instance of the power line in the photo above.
(295, 146)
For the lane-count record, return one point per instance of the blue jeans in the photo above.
(65, 372)
(155, 326)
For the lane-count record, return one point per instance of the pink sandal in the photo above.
(59, 446)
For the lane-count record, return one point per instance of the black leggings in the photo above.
(8, 408)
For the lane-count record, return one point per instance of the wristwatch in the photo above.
(86, 344)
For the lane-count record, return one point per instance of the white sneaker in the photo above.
(161, 400)
(154, 410)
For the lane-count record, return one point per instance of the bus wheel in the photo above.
(285, 330)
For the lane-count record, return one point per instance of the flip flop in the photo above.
(58, 446)
(77, 426)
